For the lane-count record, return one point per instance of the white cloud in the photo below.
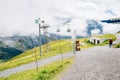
(95, 31)
(111, 28)
(17, 16)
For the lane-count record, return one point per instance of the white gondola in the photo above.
(68, 29)
(58, 30)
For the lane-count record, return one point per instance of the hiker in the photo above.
(110, 42)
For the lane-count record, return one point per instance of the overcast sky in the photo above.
(18, 16)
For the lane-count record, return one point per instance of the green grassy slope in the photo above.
(47, 72)
(54, 49)
(29, 55)
(107, 36)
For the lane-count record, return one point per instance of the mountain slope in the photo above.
(14, 45)
(11, 47)
(54, 48)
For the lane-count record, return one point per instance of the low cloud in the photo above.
(93, 27)
(18, 16)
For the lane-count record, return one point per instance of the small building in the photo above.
(97, 40)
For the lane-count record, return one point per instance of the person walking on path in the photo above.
(110, 42)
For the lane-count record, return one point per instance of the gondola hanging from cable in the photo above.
(68, 29)
(58, 29)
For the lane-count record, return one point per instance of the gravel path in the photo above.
(32, 65)
(99, 63)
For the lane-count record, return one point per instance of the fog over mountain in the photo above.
(14, 45)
